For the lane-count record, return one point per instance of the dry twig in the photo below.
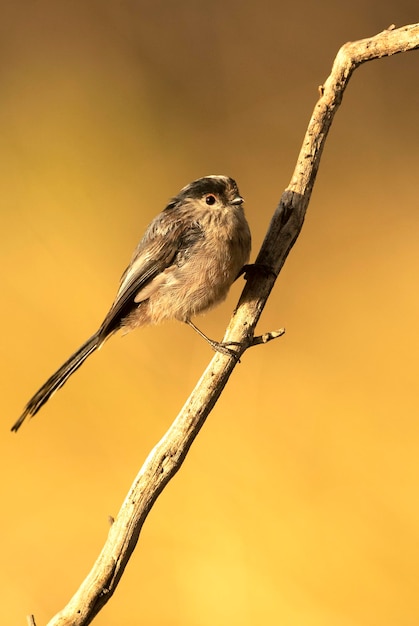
(167, 456)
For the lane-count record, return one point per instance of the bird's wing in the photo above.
(161, 244)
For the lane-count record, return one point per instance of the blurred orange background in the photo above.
(298, 503)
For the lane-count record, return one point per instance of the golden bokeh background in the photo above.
(298, 503)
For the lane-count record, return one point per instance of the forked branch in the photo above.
(167, 456)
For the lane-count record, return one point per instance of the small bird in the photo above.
(187, 260)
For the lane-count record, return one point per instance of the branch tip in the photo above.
(266, 337)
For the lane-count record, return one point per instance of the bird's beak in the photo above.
(237, 200)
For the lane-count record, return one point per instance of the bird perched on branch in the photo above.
(188, 258)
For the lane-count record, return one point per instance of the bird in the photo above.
(185, 263)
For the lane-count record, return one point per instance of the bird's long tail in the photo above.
(58, 379)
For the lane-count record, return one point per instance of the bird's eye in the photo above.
(210, 199)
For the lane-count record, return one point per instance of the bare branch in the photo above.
(273, 334)
(167, 456)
